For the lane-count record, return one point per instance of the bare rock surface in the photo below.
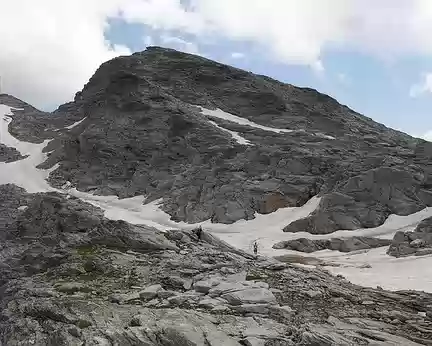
(146, 125)
(336, 244)
(143, 125)
(415, 243)
(71, 277)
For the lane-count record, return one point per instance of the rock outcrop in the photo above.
(336, 244)
(415, 243)
(8, 154)
(148, 127)
(71, 277)
(211, 142)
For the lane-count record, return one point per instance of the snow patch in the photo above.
(265, 228)
(23, 172)
(75, 124)
(218, 113)
(322, 135)
(374, 268)
(239, 139)
(131, 210)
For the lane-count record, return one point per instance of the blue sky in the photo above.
(373, 86)
(374, 56)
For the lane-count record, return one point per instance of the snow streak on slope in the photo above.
(322, 135)
(218, 113)
(239, 139)
(131, 210)
(22, 173)
(75, 124)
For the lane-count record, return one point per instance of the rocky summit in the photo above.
(146, 131)
(208, 143)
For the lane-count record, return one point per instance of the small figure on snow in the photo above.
(199, 232)
(255, 248)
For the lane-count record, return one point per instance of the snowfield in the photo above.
(220, 114)
(368, 267)
(23, 173)
(75, 124)
(239, 139)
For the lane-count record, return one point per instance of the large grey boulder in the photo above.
(250, 296)
(54, 219)
(337, 244)
(365, 201)
(417, 242)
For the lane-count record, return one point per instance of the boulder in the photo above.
(413, 243)
(205, 286)
(250, 296)
(210, 303)
(337, 244)
(365, 200)
(150, 292)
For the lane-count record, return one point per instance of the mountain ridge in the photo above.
(202, 141)
(152, 95)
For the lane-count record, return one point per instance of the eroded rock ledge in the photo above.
(416, 243)
(336, 244)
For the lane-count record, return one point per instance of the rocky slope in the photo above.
(143, 134)
(69, 276)
(212, 142)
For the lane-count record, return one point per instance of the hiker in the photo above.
(255, 248)
(199, 232)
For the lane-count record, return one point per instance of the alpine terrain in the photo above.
(129, 215)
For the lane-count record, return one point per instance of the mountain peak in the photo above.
(113, 204)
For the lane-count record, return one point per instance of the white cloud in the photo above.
(425, 86)
(237, 55)
(297, 31)
(290, 30)
(179, 44)
(49, 48)
(317, 66)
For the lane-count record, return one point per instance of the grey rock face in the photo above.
(416, 243)
(8, 154)
(337, 244)
(71, 277)
(141, 135)
(365, 201)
